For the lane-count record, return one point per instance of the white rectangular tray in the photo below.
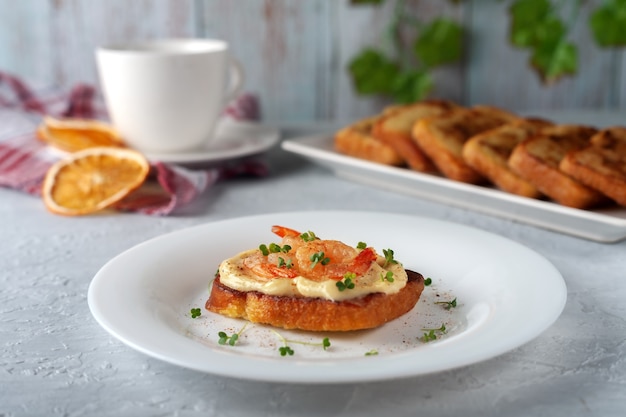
(606, 225)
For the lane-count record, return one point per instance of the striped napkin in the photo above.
(24, 160)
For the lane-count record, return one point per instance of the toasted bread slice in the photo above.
(488, 153)
(602, 165)
(537, 160)
(395, 130)
(357, 140)
(492, 113)
(442, 138)
(315, 314)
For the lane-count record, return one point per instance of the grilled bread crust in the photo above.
(357, 140)
(315, 314)
(602, 165)
(537, 160)
(442, 138)
(573, 165)
(488, 153)
(395, 129)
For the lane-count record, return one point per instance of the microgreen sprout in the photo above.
(447, 304)
(232, 339)
(389, 257)
(428, 281)
(431, 334)
(428, 336)
(285, 349)
(347, 282)
(361, 245)
(308, 236)
(325, 343)
(273, 248)
(284, 264)
(372, 352)
(195, 312)
(386, 277)
(318, 257)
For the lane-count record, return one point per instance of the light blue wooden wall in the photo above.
(295, 52)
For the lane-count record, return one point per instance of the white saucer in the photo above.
(234, 139)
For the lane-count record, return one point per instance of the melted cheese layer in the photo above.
(234, 275)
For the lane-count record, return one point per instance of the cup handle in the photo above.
(236, 78)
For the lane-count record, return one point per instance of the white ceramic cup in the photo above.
(166, 96)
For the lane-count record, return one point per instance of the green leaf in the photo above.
(536, 26)
(412, 86)
(533, 22)
(608, 23)
(555, 60)
(439, 43)
(526, 13)
(548, 30)
(373, 73)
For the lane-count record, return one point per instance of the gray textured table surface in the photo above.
(57, 361)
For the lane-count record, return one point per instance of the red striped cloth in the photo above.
(24, 160)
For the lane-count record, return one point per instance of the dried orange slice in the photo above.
(93, 179)
(73, 135)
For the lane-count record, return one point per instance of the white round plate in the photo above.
(144, 297)
(234, 139)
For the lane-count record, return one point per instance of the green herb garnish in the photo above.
(308, 236)
(428, 281)
(319, 257)
(325, 343)
(346, 283)
(284, 264)
(431, 334)
(386, 277)
(372, 352)
(285, 349)
(447, 304)
(361, 245)
(231, 340)
(273, 248)
(195, 312)
(389, 257)
(427, 337)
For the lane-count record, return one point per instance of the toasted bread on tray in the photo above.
(488, 153)
(602, 165)
(442, 138)
(395, 130)
(537, 160)
(357, 140)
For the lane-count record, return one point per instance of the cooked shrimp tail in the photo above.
(282, 231)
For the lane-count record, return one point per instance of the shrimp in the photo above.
(291, 238)
(271, 266)
(331, 259)
(276, 265)
(282, 231)
(310, 257)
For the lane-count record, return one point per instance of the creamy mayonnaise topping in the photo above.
(233, 274)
